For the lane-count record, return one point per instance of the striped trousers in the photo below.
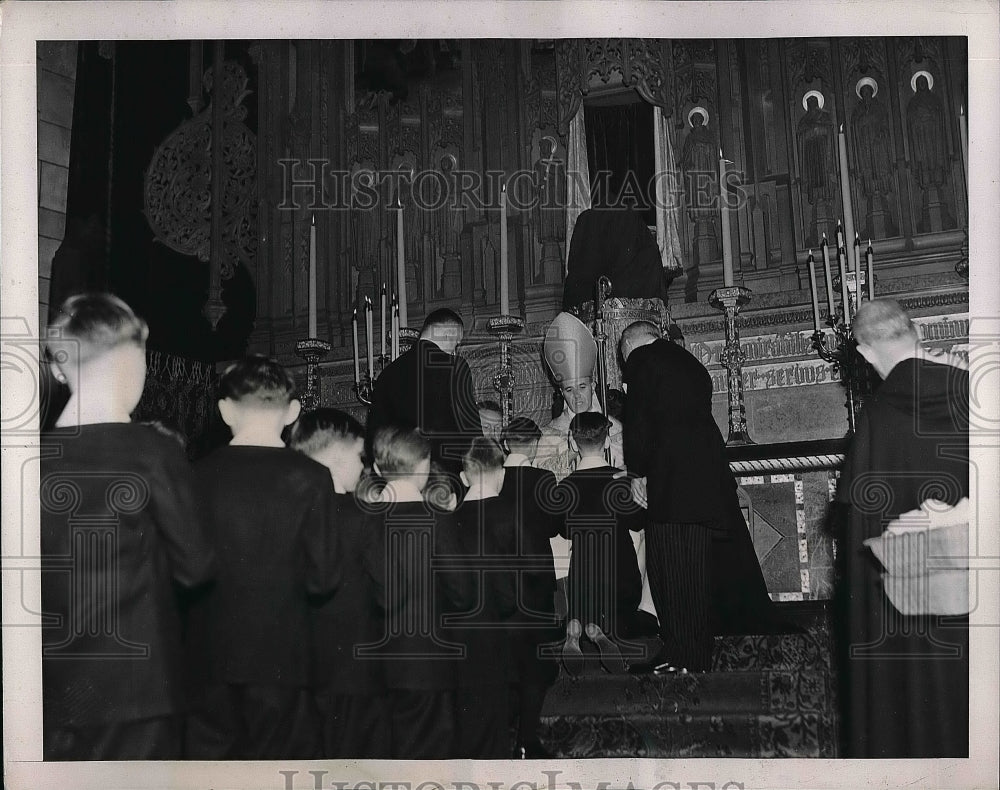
(679, 579)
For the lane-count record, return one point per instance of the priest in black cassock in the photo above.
(703, 572)
(430, 388)
(905, 678)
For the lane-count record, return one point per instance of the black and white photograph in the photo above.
(439, 395)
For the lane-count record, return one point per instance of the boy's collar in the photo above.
(591, 462)
(477, 494)
(401, 491)
(517, 459)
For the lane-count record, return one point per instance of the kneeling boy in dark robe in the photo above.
(605, 587)
(482, 532)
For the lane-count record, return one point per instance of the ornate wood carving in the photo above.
(809, 61)
(177, 190)
(643, 63)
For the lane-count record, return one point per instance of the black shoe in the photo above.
(611, 656)
(572, 655)
(533, 750)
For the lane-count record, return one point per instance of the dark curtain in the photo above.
(180, 394)
(80, 263)
(620, 141)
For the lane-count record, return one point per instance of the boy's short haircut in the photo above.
(316, 430)
(483, 456)
(398, 450)
(521, 431)
(589, 430)
(97, 322)
(258, 379)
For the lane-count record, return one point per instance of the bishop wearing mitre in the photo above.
(570, 353)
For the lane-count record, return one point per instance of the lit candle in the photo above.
(845, 191)
(811, 263)
(870, 258)
(370, 338)
(963, 130)
(727, 242)
(312, 277)
(357, 353)
(842, 265)
(504, 285)
(400, 263)
(382, 318)
(827, 274)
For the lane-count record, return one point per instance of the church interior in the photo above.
(315, 200)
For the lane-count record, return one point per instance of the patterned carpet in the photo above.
(768, 696)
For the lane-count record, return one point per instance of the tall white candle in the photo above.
(504, 285)
(811, 263)
(828, 274)
(312, 277)
(395, 329)
(357, 352)
(842, 266)
(963, 129)
(856, 257)
(400, 263)
(370, 337)
(727, 242)
(845, 192)
(870, 258)
(382, 319)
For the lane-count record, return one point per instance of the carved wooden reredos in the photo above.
(774, 106)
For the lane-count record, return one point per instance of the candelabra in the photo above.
(312, 350)
(364, 383)
(730, 299)
(503, 328)
(843, 353)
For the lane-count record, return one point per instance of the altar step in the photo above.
(770, 695)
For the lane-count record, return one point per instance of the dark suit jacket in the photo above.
(269, 512)
(671, 437)
(484, 538)
(433, 391)
(415, 592)
(139, 487)
(532, 494)
(352, 617)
